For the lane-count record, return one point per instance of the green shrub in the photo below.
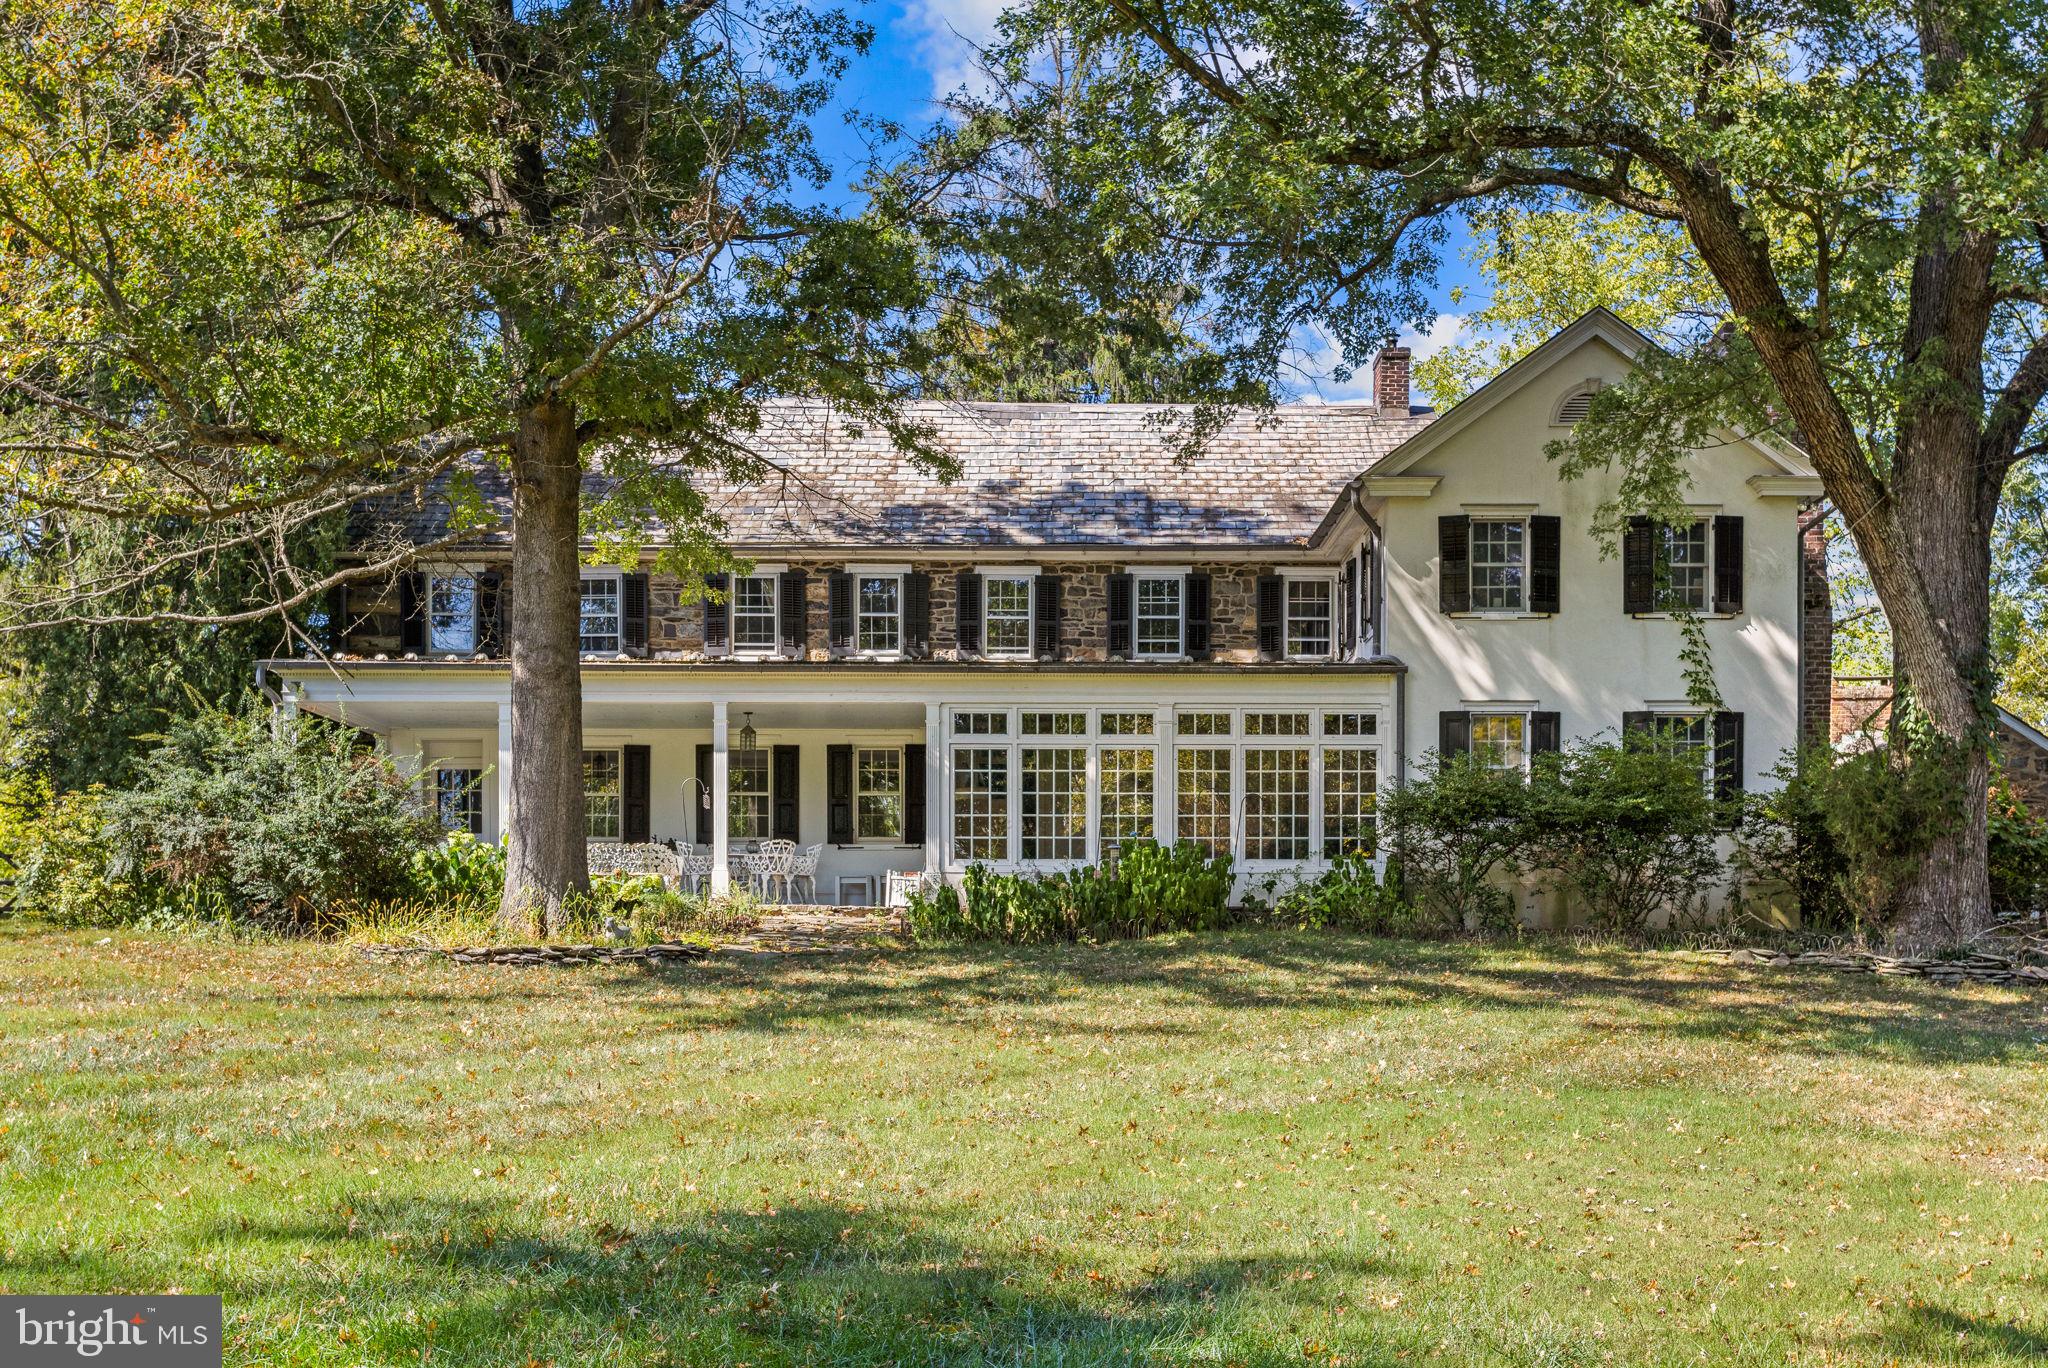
(1153, 889)
(461, 871)
(272, 817)
(1348, 896)
(2019, 853)
(1627, 830)
(1456, 829)
(1783, 843)
(62, 866)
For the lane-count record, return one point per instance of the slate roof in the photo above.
(1031, 475)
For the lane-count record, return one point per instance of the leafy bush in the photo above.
(2019, 853)
(1348, 896)
(1153, 889)
(1456, 828)
(61, 862)
(1626, 829)
(280, 817)
(1783, 843)
(460, 872)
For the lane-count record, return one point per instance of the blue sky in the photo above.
(924, 48)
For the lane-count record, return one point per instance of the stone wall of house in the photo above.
(2026, 767)
(675, 617)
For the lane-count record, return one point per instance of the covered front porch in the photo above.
(881, 772)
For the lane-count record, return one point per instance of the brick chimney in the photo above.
(1390, 380)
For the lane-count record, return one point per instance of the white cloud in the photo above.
(1446, 331)
(947, 34)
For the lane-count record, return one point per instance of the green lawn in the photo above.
(1256, 1149)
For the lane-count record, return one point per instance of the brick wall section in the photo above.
(675, 622)
(1816, 628)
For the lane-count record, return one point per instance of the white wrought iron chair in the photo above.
(803, 870)
(778, 860)
(697, 871)
(638, 857)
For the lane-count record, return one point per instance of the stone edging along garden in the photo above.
(1975, 968)
(540, 954)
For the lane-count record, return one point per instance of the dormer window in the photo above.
(879, 626)
(1311, 617)
(451, 612)
(1157, 614)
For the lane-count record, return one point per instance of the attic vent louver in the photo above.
(1573, 409)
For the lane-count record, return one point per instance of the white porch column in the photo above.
(504, 767)
(1163, 778)
(934, 789)
(721, 806)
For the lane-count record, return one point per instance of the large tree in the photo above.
(1866, 184)
(262, 262)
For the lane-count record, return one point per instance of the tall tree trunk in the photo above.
(545, 862)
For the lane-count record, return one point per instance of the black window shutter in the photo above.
(1120, 611)
(1046, 615)
(917, 613)
(1639, 567)
(784, 777)
(1195, 634)
(967, 612)
(635, 768)
(412, 612)
(1633, 723)
(1727, 755)
(337, 618)
(1271, 603)
(1347, 609)
(839, 794)
(839, 628)
(705, 796)
(1545, 733)
(1546, 554)
(1454, 563)
(913, 795)
(795, 608)
(717, 613)
(633, 612)
(1727, 564)
(1453, 733)
(490, 610)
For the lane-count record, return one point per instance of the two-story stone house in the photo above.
(1084, 641)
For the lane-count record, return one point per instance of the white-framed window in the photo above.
(1202, 788)
(1689, 734)
(981, 804)
(748, 807)
(451, 611)
(1052, 797)
(878, 613)
(1501, 739)
(1499, 552)
(878, 793)
(1685, 555)
(1351, 793)
(1127, 778)
(600, 614)
(458, 794)
(604, 795)
(1311, 617)
(1276, 802)
(755, 623)
(1157, 615)
(1006, 622)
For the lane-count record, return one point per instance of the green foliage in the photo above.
(2019, 853)
(1784, 845)
(60, 860)
(460, 871)
(1348, 896)
(274, 817)
(1154, 889)
(1457, 830)
(1628, 830)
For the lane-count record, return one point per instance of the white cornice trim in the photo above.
(1786, 486)
(1402, 486)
